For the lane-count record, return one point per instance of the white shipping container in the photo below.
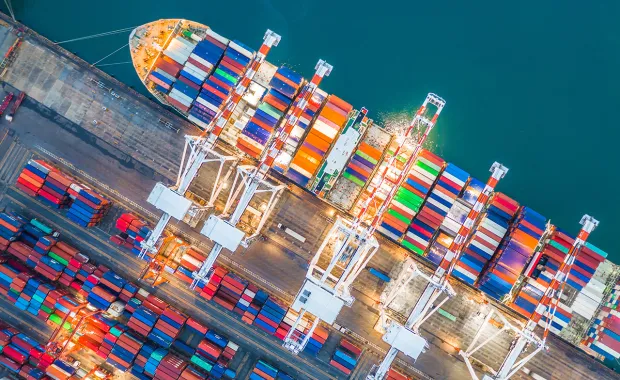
(422, 175)
(241, 50)
(175, 57)
(179, 48)
(438, 205)
(186, 42)
(453, 179)
(197, 121)
(445, 197)
(429, 163)
(180, 97)
(487, 238)
(482, 247)
(217, 37)
(202, 61)
(166, 75)
(205, 103)
(466, 273)
(195, 71)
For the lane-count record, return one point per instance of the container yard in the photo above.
(75, 223)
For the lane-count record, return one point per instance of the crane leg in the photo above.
(385, 365)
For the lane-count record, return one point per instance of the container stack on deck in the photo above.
(284, 158)
(220, 85)
(603, 337)
(486, 238)
(362, 164)
(181, 94)
(256, 134)
(516, 250)
(345, 357)
(318, 141)
(409, 198)
(264, 371)
(359, 169)
(443, 195)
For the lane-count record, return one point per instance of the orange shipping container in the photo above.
(340, 103)
(317, 141)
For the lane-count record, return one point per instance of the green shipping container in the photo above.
(353, 179)
(412, 247)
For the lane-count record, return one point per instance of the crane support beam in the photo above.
(224, 233)
(171, 201)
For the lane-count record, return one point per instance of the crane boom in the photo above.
(406, 338)
(172, 200)
(348, 247)
(224, 233)
(547, 307)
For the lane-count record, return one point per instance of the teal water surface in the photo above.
(531, 84)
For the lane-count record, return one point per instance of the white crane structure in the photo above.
(350, 245)
(525, 336)
(250, 181)
(407, 338)
(171, 201)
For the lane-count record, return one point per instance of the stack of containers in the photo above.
(346, 356)
(513, 255)
(208, 290)
(255, 306)
(165, 73)
(181, 94)
(270, 316)
(10, 229)
(216, 90)
(60, 370)
(256, 134)
(55, 190)
(284, 158)
(124, 351)
(263, 371)
(103, 291)
(316, 341)
(486, 238)
(426, 223)
(206, 55)
(190, 261)
(133, 231)
(362, 164)
(410, 196)
(344, 192)
(168, 327)
(540, 272)
(230, 291)
(453, 220)
(88, 208)
(33, 176)
(589, 257)
(318, 141)
(21, 354)
(246, 299)
(603, 337)
(461, 208)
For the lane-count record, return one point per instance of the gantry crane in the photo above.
(406, 338)
(525, 335)
(172, 201)
(253, 180)
(351, 244)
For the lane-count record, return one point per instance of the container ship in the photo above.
(335, 152)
